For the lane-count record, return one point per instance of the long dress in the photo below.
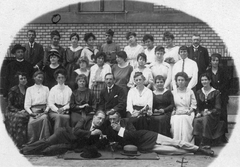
(132, 53)
(163, 101)
(181, 125)
(209, 126)
(70, 63)
(80, 97)
(16, 122)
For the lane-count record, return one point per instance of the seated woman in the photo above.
(16, 117)
(82, 101)
(162, 106)
(36, 105)
(59, 101)
(207, 124)
(183, 114)
(147, 73)
(139, 103)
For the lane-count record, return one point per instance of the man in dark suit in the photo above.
(200, 55)
(34, 51)
(86, 132)
(112, 98)
(146, 140)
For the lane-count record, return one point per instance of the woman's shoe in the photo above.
(203, 151)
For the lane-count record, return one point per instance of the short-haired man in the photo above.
(200, 55)
(34, 51)
(110, 47)
(112, 98)
(85, 132)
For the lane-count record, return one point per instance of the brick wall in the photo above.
(182, 32)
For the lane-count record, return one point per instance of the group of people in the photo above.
(173, 95)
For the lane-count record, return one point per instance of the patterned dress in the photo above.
(16, 122)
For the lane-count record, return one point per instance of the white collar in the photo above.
(20, 60)
(75, 49)
(32, 44)
(110, 87)
(195, 47)
(207, 93)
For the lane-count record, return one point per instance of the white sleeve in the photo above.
(27, 102)
(129, 101)
(194, 79)
(51, 100)
(173, 77)
(169, 77)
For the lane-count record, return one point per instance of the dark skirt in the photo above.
(209, 127)
(161, 124)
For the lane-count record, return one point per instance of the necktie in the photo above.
(109, 90)
(183, 65)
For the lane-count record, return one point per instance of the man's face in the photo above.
(114, 118)
(109, 38)
(31, 37)
(109, 80)
(183, 54)
(19, 54)
(196, 40)
(98, 119)
(55, 40)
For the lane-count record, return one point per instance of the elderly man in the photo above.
(85, 132)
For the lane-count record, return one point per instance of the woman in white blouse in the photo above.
(36, 105)
(59, 101)
(183, 114)
(133, 49)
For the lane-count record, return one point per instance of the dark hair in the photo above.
(82, 76)
(16, 76)
(101, 54)
(38, 73)
(33, 31)
(122, 54)
(183, 47)
(88, 35)
(167, 34)
(159, 77)
(137, 74)
(219, 56)
(142, 55)
(181, 74)
(83, 59)
(55, 33)
(116, 112)
(207, 75)
(148, 36)
(60, 71)
(109, 74)
(128, 34)
(74, 34)
(159, 48)
(196, 35)
(110, 32)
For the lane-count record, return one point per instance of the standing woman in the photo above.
(71, 56)
(90, 50)
(207, 124)
(36, 105)
(162, 68)
(171, 56)
(133, 48)
(122, 70)
(183, 114)
(220, 81)
(16, 117)
(162, 106)
(82, 101)
(97, 75)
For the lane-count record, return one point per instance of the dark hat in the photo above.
(110, 32)
(53, 52)
(16, 47)
(130, 150)
(90, 152)
(122, 54)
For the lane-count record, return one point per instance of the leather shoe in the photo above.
(205, 151)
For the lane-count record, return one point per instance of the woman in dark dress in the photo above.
(207, 124)
(81, 103)
(16, 118)
(162, 106)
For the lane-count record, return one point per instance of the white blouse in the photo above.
(35, 95)
(87, 53)
(132, 53)
(173, 53)
(59, 94)
(151, 58)
(143, 99)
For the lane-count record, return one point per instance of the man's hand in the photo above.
(60, 110)
(96, 132)
(198, 115)
(115, 126)
(110, 112)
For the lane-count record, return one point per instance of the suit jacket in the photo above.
(115, 100)
(36, 56)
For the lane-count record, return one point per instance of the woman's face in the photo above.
(74, 40)
(183, 54)
(141, 61)
(55, 40)
(215, 62)
(148, 43)
(83, 64)
(159, 83)
(205, 81)
(132, 39)
(100, 61)
(139, 80)
(168, 41)
(90, 41)
(54, 59)
(119, 60)
(38, 79)
(181, 82)
(159, 55)
(22, 80)
(61, 79)
(81, 83)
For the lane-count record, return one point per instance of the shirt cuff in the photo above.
(121, 132)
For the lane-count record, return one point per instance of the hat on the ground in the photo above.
(90, 152)
(130, 150)
(16, 47)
